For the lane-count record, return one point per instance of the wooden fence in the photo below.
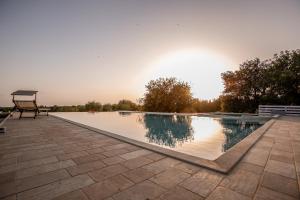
(277, 109)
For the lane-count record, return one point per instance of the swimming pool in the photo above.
(201, 136)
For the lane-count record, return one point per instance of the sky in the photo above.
(75, 51)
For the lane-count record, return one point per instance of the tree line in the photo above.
(94, 106)
(271, 81)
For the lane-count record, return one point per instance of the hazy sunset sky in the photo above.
(74, 51)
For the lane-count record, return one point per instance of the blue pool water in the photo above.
(201, 136)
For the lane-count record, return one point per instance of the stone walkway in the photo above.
(48, 158)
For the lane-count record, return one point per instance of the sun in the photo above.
(200, 68)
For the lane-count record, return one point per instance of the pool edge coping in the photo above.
(224, 163)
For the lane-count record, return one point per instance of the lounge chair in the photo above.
(27, 105)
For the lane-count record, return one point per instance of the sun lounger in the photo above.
(27, 105)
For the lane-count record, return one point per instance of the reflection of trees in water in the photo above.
(168, 130)
(236, 130)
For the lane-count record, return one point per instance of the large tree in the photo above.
(273, 81)
(167, 95)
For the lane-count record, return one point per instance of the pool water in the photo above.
(201, 136)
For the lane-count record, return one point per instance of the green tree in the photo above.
(206, 105)
(93, 106)
(107, 107)
(127, 105)
(273, 81)
(167, 95)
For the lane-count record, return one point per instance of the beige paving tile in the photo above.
(116, 146)
(281, 184)
(7, 177)
(21, 165)
(135, 154)
(257, 158)
(20, 185)
(86, 167)
(89, 158)
(155, 156)
(179, 193)
(249, 167)
(137, 162)
(72, 155)
(283, 169)
(141, 191)
(282, 156)
(56, 189)
(43, 169)
(113, 160)
(242, 181)
(96, 150)
(12, 197)
(203, 182)
(170, 178)
(188, 168)
(221, 193)
(104, 173)
(75, 195)
(267, 194)
(138, 175)
(115, 152)
(107, 188)
(161, 165)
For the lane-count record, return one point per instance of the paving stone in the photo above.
(13, 197)
(89, 158)
(188, 168)
(161, 165)
(20, 185)
(281, 184)
(283, 147)
(8, 161)
(107, 188)
(138, 175)
(86, 167)
(115, 152)
(96, 150)
(27, 164)
(179, 193)
(56, 189)
(155, 156)
(250, 167)
(36, 155)
(133, 148)
(135, 154)
(208, 180)
(75, 195)
(43, 169)
(267, 194)
(7, 177)
(283, 169)
(221, 193)
(116, 146)
(257, 158)
(72, 155)
(136, 162)
(104, 173)
(282, 156)
(141, 191)
(242, 181)
(113, 160)
(170, 178)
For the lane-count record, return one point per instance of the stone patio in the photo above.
(48, 158)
